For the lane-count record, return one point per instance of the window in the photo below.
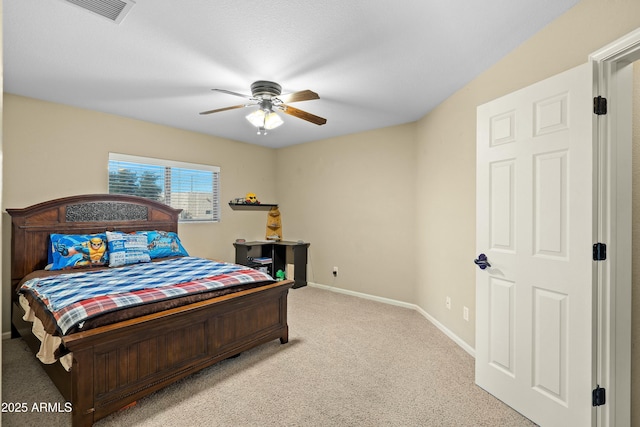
(191, 187)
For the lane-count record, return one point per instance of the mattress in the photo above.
(62, 302)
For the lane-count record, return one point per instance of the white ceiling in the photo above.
(374, 63)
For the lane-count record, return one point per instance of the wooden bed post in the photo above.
(82, 392)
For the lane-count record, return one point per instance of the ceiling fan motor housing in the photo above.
(265, 89)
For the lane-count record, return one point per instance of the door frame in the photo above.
(612, 132)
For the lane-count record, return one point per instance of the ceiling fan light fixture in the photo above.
(256, 118)
(264, 119)
(272, 120)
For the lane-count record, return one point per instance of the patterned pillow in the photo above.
(163, 244)
(78, 250)
(127, 249)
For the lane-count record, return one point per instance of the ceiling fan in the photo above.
(267, 96)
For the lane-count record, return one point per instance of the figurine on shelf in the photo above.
(251, 199)
(280, 275)
(274, 224)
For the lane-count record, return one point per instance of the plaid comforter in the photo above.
(75, 297)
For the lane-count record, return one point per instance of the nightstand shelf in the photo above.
(281, 253)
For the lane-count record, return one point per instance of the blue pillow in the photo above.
(78, 250)
(126, 249)
(163, 244)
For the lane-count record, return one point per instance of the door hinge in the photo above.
(599, 252)
(599, 105)
(599, 396)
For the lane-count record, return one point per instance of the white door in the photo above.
(535, 224)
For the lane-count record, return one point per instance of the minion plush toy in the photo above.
(251, 199)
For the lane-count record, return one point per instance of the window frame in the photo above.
(169, 165)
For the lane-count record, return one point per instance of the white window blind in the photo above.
(191, 187)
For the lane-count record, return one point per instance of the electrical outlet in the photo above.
(335, 271)
(465, 313)
(448, 303)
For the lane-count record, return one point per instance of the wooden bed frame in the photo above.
(115, 365)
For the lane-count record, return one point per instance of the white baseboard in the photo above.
(6, 335)
(463, 344)
(466, 347)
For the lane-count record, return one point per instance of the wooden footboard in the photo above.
(116, 365)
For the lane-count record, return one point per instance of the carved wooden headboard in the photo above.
(84, 214)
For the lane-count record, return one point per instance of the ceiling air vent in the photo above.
(114, 10)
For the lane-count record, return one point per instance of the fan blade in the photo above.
(227, 108)
(303, 95)
(287, 109)
(233, 93)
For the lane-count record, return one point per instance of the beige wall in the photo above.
(635, 277)
(353, 198)
(52, 150)
(448, 132)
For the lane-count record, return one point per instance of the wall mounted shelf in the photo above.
(251, 207)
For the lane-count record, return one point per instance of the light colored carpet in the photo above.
(349, 362)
